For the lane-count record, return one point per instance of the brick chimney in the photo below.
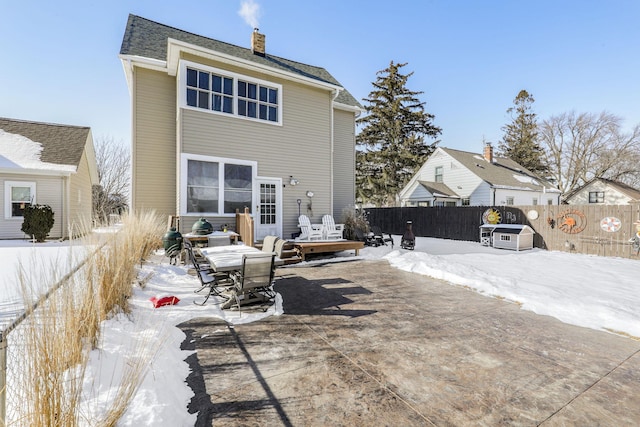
(257, 43)
(488, 152)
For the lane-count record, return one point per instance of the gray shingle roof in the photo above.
(438, 189)
(61, 144)
(502, 172)
(146, 38)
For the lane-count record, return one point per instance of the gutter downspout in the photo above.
(336, 92)
(67, 209)
(132, 159)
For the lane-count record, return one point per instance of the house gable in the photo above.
(478, 181)
(604, 192)
(176, 116)
(49, 164)
(163, 45)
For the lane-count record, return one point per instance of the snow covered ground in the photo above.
(590, 291)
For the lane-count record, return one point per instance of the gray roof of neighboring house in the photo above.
(438, 189)
(502, 172)
(623, 188)
(61, 144)
(148, 39)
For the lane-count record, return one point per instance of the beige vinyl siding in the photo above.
(301, 147)
(343, 162)
(154, 148)
(80, 199)
(49, 191)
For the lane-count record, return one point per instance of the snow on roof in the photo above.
(19, 152)
(526, 179)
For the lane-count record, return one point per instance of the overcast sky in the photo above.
(470, 58)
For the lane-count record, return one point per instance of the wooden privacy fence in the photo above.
(603, 230)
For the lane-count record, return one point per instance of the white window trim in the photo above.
(7, 196)
(182, 89)
(185, 157)
(436, 174)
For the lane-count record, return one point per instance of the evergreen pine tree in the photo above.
(520, 139)
(391, 144)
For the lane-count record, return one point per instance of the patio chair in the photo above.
(199, 263)
(367, 238)
(269, 243)
(379, 236)
(332, 231)
(254, 282)
(214, 282)
(309, 231)
(279, 248)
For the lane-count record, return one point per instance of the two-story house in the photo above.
(603, 191)
(46, 164)
(460, 178)
(218, 127)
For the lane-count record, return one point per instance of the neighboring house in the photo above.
(218, 127)
(602, 191)
(46, 164)
(459, 178)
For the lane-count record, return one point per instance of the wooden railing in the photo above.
(244, 226)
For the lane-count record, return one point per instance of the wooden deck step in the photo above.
(307, 248)
(290, 254)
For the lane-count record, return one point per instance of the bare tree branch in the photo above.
(111, 195)
(580, 147)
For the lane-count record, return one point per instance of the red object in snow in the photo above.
(159, 302)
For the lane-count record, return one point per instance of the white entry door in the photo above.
(268, 216)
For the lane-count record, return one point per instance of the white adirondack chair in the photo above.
(332, 231)
(309, 231)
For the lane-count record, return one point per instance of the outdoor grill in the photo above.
(172, 243)
(408, 238)
(202, 227)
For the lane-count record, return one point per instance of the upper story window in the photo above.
(510, 200)
(466, 201)
(257, 101)
(216, 186)
(534, 202)
(229, 93)
(596, 196)
(439, 174)
(17, 196)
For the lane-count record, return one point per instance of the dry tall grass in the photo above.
(58, 336)
(54, 361)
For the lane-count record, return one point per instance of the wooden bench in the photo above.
(305, 248)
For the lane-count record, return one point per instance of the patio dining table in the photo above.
(229, 258)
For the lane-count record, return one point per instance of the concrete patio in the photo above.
(364, 344)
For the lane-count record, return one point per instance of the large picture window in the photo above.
(229, 93)
(18, 195)
(216, 186)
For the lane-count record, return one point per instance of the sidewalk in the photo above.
(364, 344)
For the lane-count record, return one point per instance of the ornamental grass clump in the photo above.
(50, 369)
(353, 219)
(51, 349)
(139, 236)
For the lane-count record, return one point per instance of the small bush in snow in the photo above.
(38, 221)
